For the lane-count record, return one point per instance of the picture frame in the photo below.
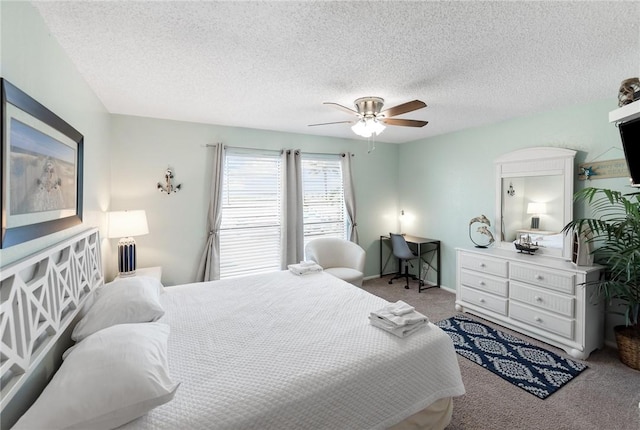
(42, 169)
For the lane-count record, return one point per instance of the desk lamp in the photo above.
(125, 225)
(536, 209)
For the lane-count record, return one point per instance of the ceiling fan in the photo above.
(372, 119)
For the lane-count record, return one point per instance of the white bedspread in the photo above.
(281, 351)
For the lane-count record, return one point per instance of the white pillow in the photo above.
(112, 377)
(123, 301)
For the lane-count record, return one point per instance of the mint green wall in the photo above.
(447, 180)
(143, 148)
(34, 62)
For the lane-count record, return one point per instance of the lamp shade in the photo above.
(537, 208)
(366, 127)
(127, 223)
(376, 126)
(360, 128)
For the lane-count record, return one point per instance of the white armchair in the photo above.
(338, 257)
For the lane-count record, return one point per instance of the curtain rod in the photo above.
(342, 154)
(213, 145)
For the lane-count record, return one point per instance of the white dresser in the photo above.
(541, 297)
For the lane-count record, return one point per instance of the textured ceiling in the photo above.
(271, 64)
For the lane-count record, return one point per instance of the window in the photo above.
(251, 208)
(323, 197)
(250, 231)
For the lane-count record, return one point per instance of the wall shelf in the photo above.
(626, 112)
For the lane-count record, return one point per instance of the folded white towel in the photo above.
(309, 263)
(412, 317)
(400, 308)
(304, 270)
(402, 331)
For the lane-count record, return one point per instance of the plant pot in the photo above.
(628, 340)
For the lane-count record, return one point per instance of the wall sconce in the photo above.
(168, 187)
(511, 191)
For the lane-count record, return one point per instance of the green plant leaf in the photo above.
(616, 242)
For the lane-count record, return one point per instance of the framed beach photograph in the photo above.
(41, 169)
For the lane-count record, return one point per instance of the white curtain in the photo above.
(349, 196)
(292, 220)
(209, 269)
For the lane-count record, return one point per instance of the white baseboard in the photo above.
(444, 287)
(448, 289)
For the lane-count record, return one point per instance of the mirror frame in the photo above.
(539, 161)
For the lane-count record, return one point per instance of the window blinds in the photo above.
(323, 197)
(251, 205)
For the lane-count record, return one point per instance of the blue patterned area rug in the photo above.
(527, 366)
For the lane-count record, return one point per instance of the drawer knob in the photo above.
(538, 319)
(481, 282)
(482, 300)
(539, 277)
(538, 298)
(482, 265)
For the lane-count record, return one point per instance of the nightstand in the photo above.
(154, 272)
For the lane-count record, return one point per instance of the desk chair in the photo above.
(405, 255)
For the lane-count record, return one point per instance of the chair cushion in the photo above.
(346, 274)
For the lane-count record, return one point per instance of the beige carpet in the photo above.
(606, 396)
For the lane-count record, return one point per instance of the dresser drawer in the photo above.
(557, 303)
(559, 281)
(492, 266)
(541, 319)
(483, 282)
(487, 301)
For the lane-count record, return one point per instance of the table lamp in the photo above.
(536, 209)
(125, 225)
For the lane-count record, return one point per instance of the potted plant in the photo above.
(616, 242)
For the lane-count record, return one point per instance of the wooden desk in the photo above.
(422, 246)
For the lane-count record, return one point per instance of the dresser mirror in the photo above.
(534, 200)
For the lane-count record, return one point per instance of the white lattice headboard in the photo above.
(39, 297)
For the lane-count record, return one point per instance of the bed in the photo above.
(281, 351)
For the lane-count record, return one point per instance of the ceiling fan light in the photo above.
(372, 120)
(376, 127)
(361, 128)
(366, 127)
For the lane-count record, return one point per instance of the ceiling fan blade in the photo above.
(328, 123)
(403, 108)
(344, 108)
(404, 122)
